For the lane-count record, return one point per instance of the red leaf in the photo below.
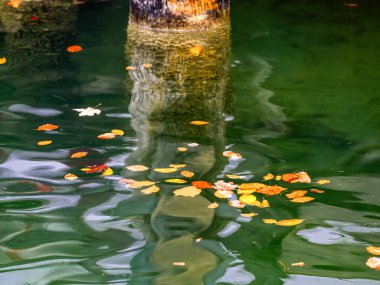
(97, 168)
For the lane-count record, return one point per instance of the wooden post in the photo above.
(179, 15)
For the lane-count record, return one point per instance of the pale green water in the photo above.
(302, 94)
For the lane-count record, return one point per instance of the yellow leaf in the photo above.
(292, 222)
(189, 191)
(251, 186)
(303, 199)
(85, 169)
(79, 154)
(298, 264)
(3, 60)
(323, 181)
(175, 180)
(42, 143)
(198, 123)
(296, 194)
(178, 166)
(213, 206)
(248, 215)
(150, 190)
(196, 50)
(264, 204)
(106, 136)
(118, 132)
(246, 192)
(187, 174)
(278, 177)
(374, 263)
(232, 176)
(373, 250)
(165, 170)
(248, 199)
(269, 176)
(182, 149)
(270, 221)
(137, 168)
(108, 172)
(71, 177)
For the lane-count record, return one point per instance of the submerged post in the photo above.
(179, 15)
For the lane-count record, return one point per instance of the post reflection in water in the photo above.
(180, 87)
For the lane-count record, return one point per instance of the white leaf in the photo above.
(89, 111)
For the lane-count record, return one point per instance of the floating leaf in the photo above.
(201, 184)
(248, 199)
(189, 191)
(98, 168)
(118, 132)
(178, 166)
(199, 123)
(374, 263)
(198, 240)
(137, 168)
(175, 180)
(47, 127)
(278, 177)
(3, 60)
(287, 223)
(130, 68)
(166, 170)
(147, 65)
(42, 143)
(193, 144)
(221, 185)
(74, 48)
(303, 199)
(317, 191)
(301, 177)
(108, 172)
(270, 221)
(296, 194)
(71, 177)
(236, 204)
(187, 174)
(269, 176)
(79, 154)
(85, 169)
(179, 263)
(182, 149)
(34, 18)
(150, 190)
(248, 215)
(213, 206)
(323, 181)
(106, 136)
(264, 204)
(298, 264)
(196, 50)
(231, 154)
(139, 184)
(271, 190)
(233, 176)
(89, 112)
(14, 3)
(373, 250)
(251, 186)
(223, 194)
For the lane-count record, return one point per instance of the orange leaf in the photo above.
(42, 143)
(296, 194)
(373, 250)
(130, 68)
(374, 263)
(71, 177)
(264, 204)
(47, 127)
(79, 154)
(14, 3)
(106, 136)
(187, 174)
(303, 199)
(271, 190)
(198, 123)
(137, 168)
(74, 48)
(301, 177)
(201, 184)
(3, 60)
(269, 176)
(317, 191)
(286, 223)
(147, 65)
(196, 50)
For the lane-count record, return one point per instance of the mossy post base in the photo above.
(179, 15)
